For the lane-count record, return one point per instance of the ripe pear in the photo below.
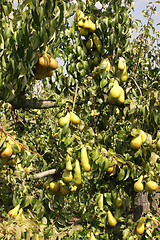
(140, 226)
(6, 152)
(121, 63)
(143, 136)
(68, 163)
(115, 91)
(106, 63)
(151, 186)
(67, 176)
(13, 212)
(77, 173)
(64, 120)
(124, 75)
(92, 236)
(121, 98)
(89, 25)
(100, 201)
(84, 160)
(158, 145)
(74, 118)
(111, 220)
(136, 142)
(54, 186)
(138, 186)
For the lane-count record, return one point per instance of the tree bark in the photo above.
(141, 204)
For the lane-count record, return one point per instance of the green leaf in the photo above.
(121, 175)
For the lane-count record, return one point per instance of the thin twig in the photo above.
(137, 86)
(75, 98)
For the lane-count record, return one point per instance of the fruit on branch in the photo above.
(111, 220)
(121, 63)
(6, 152)
(81, 23)
(92, 237)
(67, 176)
(115, 91)
(74, 118)
(151, 186)
(110, 169)
(84, 160)
(100, 201)
(12, 141)
(68, 163)
(89, 25)
(54, 186)
(13, 212)
(106, 63)
(43, 61)
(83, 32)
(143, 136)
(53, 64)
(124, 75)
(89, 44)
(97, 42)
(64, 190)
(136, 142)
(79, 15)
(77, 173)
(138, 186)
(141, 226)
(118, 202)
(64, 120)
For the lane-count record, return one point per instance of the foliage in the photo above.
(106, 128)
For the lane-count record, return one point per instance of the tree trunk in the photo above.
(141, 204)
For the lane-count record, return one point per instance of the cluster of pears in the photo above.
(8, 150)
(122, 69)
(139, 137)
(150, 186)
(116, 94)
(69, 117)
(87, 27)
(45, 66)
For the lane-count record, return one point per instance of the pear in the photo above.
(92, 236)
(111, 220)
(54, 186)
(143, 136)
(97, 42)
(121, 63)
(106, 63)
(89, 44)
(6, 152)
(90, 25)
(77, 173)
(64, 120)
(68, 163)
(138, 186)
(80, 23)
(151, 186)
(136, 142)
(84, 160)
(79, 15)
(13, 212)
(158, 145)
(67, 176)
(118, 202)
(100, 201)
(115, 91)
(74, 118)
(124, 75)
(83, 31)
(64, 190)
(121, 98)
(140, 226)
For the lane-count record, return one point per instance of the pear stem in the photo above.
(75, 95)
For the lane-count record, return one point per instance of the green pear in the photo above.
(106, 63)
(100, 201)
(124, 75)
(77, 173)
(138, 186)
(68, 163)
(64, 120)
(151, 186)
(84, 160)
(67, 176)
(89, 44)
(111, 220)
(136, 142)
(143, 136)
(121, 98)
(115, 91)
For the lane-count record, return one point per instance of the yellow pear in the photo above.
(67, 176)
(84, 160)
(68, 163)
(80, 15)
(6, 152)
(140, 226)
(13, 212)
(100, 201)
(54, 186)
(121, 98)
(74, 118)
(64, 120)
(77, 173)
(151, 186)
(138, 186)
(136, 142)
(89, 25)
(92, 236)
(106, 63)
(124, 75)
(158, 145)
(121, 63)
(115, 91)
(111, 220)
(81, 23)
